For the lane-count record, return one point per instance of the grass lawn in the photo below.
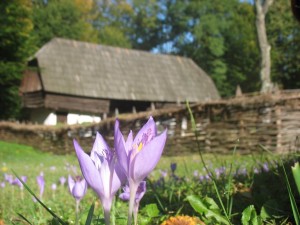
(26, 161)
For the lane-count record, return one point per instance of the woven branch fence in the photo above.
(270, 120)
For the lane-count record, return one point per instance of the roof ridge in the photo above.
(130, 50)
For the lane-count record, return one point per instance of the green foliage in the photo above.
(148, 214)
(63, 18)
(114, 23)
(113, 36)
(293, 203)
(134, 24)
(220, 37)
(208, 209)
(90, 215)
(250, 217)
(296, 175)
(284, 37)
(147, 25)
(15, 47)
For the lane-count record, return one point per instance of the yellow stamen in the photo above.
(140, 146)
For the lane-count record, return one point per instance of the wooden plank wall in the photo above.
(246, 122)
(69, 103)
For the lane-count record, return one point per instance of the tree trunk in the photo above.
(262, 7)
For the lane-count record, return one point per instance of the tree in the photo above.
(216, 35)
(114, 23)
(147, 30)
(133, 24)
(242, 53)
(284, 36)
(64, 18)
(262, 7)
(15, 46)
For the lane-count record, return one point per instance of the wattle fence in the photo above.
(246, 122)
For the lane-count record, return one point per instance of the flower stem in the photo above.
(77, 212)
(133, 188)
(113, 212)
(107, 217)
(135, 212)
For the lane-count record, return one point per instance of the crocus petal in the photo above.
(71, 183)
(118, 179)
(125, 196)
(83, 184)
(149, 126)
(105, 174)
(145, 161)
(140, 191)
(121, 152)
(88, 169)
(79, 189)
(129, 141)
(117, 133)
(100, 145)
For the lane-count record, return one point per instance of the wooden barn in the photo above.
(67, 76)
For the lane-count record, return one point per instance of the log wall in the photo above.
(246, 122)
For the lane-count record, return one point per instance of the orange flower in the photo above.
(183, 220)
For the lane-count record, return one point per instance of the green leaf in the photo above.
(207, 208)
(271, 209)
(152, 210)
(291, 196)
(296, 174)
(250, 217)
(24, 218)
(90, 215)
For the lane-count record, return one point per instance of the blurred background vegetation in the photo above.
(220, 36)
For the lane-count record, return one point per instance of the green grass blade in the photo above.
(194, 127)
(24, 218)
(39, 201)
(221, 202)
(229, 197)
(291, 196)
(156, 195)
(296, 174)
(90, 215)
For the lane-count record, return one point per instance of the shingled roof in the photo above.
(90, 70)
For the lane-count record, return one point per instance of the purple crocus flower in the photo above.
(265, 167)
(101, 171)
(17, 182)
(77, 187)
(9, 178)
(54, 187)
(62, 181)
(173, 167)
(256, 171)
(163, 173)
(196, 173)
(2, 184)
(139, 156)
(41, 183)
(125, 196)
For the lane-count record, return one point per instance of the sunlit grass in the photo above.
(25, 160)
